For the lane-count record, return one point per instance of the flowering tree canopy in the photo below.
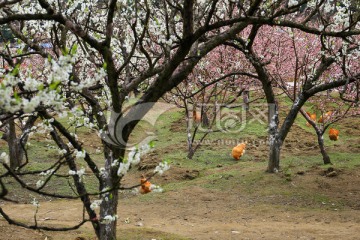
(83, 58)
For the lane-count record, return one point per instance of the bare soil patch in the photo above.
(203, 213)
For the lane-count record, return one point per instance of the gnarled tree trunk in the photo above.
(16, 152)
(324, 154)
(16, 143)
(274, 141)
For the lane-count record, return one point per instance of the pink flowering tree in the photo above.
(216, 83)
(279, 58)
(301, 52)
(98, 52)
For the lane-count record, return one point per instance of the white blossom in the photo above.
(162, 167)
(95, 204)
(80, 173)
(35, 202)
(292, 3)
(136, 159)
(48, 172)
(98, 151)
(115, 163)
(123, 168)
(109, 219)
(39, 183)
(131, 154)
(29, 106)
(31, 84)
(4, 157)
(156, 188)
(328, 7)
(102, 171)
(62, 152)
(80, 154)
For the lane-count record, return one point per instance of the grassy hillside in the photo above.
(301, 185)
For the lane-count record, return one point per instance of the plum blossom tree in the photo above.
(16, 142)
(100, 51)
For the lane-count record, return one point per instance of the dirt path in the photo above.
(196, 213)
(210, 217)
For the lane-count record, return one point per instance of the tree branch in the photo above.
(14, 222)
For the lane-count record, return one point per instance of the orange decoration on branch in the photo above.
(238, 151)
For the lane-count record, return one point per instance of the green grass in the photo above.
(249, 176)
(217, 170)
(344, 160)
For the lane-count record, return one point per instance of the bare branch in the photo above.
(17, 223)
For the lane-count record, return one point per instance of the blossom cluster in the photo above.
(133, 158)
(80, 173)
(162, 167)
(95, 204)
(43, 92)
(4, 157)
(108, 219)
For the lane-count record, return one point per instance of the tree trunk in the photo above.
(190, 142)
(320, 138)
(189, 124)
(15, 150)
(274, 156)
(274, 139)
(278, 136)
(17, 144)
(204, 118)
(324, 154)
(108, 208)
(191, 152)
(246, 100)
(109, 204)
